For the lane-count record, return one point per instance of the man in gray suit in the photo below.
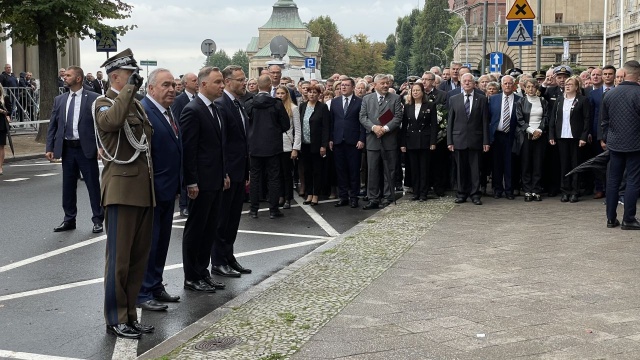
(382, 141)
(468, 136)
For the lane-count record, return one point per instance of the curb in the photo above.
(210, 319)
(18, 158)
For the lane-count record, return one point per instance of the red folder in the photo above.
(386, 117)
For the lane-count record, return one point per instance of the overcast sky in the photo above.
(171, 32)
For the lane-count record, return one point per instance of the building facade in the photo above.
(630, 24)
(25, 58)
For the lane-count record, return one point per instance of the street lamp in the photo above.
(444, 53)
(405, 64)
(439, 58)
(453, 40)
(466, 34)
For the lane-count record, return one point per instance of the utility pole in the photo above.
(484, 36)
(539, 35)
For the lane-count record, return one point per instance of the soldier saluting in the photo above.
(123, 132)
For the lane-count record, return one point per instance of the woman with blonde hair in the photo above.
(291, 146)
(5, 119)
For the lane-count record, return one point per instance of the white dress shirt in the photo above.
(76, 112)
(504, 98)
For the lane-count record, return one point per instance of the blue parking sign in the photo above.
(310, 63)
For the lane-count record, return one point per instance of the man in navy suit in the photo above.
(190, 88)
(502, 109)
(347, 141)
(236, 162)
(595, 135)
(71, 137)
(167, 163)
(205, 176)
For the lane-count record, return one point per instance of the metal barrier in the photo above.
(24, 106)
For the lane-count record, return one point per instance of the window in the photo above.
(573, 58)
(558, 58)
(611, 57)
(558, 18)
(636, 51)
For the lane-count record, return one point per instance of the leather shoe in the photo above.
(65, 226)
(497, 195)
(510, 197)
(124, 331)
(613, 223)
(598, 195)
(97, 228)
(630, 225)
(239, 268)
(199, 285)
(342, 202)
(152, 305)
(354, 203)
(184, 213)
(371, 205)
(164, 296)
(460, 200)
(224, 270)
(144, 329)
(276, 214)
(477, 201)
(564, 198)
(215, 284)
(415, 198)
(253, 214)
(573, 198)
(286, 205)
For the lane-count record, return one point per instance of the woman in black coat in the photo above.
(418, 138)
(315, 122)
(569, 128)
(530, 143)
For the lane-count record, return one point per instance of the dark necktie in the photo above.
(346, 104)
(173, 123)
(467, 105)
(606, 89)
(68, 130)
(215, 115)
(237, 104)
(381, 100)
(506, 116)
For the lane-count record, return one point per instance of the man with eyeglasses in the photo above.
(275, 73)
(439, 164)
(223, 262)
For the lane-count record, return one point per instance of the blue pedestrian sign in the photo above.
(519, 33)
(310, 63)
(106, 42)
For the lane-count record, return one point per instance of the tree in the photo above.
(219, 59)
(332, 44)
(240, 58)
(432, 19)
(49, 24)
(404, 33)
(365, 57)
(391, 47)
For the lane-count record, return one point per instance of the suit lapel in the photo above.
(165, 122)
(215, 122)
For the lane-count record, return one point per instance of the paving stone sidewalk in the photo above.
(435, 280)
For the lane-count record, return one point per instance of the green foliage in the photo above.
(391, 47)
(219, 59)
(426, 38)
(404, 34)
(287, 316)
(275, 356)
(332, 44)
(240, 58)
(365, 57)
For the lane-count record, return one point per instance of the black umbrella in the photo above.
(13, 152)
(596, 164)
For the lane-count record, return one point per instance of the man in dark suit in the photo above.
(71, 137)
(190, 89)
(502, 109)
(439, 164)
(608, 74)
(453, 82)
(124, 133)
(275, 73)
(167, 163)
(268, 119)
(382, 140)
(347, 140)
(223, 262)
(620, 132)
(596, 81)
(100, 86)
(206, 178)
(468, 136)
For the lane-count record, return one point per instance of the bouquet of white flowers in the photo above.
(442, 113)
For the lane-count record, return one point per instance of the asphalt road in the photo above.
(51, 288)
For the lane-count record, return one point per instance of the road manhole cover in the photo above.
(219, 343)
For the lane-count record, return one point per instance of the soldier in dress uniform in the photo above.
(124, 133)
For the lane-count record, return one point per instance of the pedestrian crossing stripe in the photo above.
(520, 35)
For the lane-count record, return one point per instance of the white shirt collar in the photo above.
(160, 107)
(190, 95)
(78, 93)
(204, 99)
(229, 95)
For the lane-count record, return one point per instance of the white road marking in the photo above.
(36, 164)
(169, 267)
(17, 179)
(28, 356)
(320, 220)
(126, 349)
(45, 175)
(51, 253)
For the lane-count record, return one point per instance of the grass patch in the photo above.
(305, 327)
(330, 251)
(287, 316)
(275, 356)
(370, 221)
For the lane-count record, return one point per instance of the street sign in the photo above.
(106, 42)
(310, 63)
(496, 58)
(552, 41)
(521, 10)
(148, 63)
(495, 68)
(467, 65)
(519, 33)
(208, 47)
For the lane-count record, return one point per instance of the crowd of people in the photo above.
(224, 140)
